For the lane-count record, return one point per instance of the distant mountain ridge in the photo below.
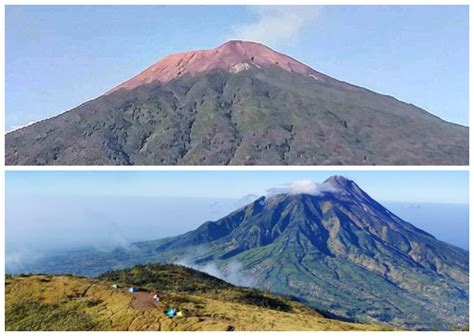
(338, 251)
(241, 103)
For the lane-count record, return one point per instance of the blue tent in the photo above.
(132, 290)
(171, 312)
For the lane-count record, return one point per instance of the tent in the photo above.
(171, 312)
(179, 314)
(114, 286)
(132, 290)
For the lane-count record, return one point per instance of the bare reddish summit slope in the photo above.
(233, 56)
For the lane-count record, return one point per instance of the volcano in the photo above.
(241, 103)
(335, 249)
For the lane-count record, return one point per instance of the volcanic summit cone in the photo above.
(241, 103)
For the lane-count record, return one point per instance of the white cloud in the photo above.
(19, 260)
(275, 25)
(302, 187)
(231, 273)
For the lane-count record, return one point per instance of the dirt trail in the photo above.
(143, 300)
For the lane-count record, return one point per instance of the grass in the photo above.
(34, 316)
(42, 302)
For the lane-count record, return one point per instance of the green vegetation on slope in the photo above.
(155, 277)
(257, 116)
(64, 302)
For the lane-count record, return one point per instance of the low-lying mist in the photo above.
(42, 226)
(231, 273)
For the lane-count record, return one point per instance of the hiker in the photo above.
(156, 298)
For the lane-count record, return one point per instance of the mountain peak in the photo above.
(346, 188)
(242, 43)
(233, 56)
(339, 181)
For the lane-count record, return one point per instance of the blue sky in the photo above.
(60, 56)
(400, 186)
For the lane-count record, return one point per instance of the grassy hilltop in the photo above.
(66, 302)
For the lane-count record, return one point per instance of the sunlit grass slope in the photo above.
(64, 302)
